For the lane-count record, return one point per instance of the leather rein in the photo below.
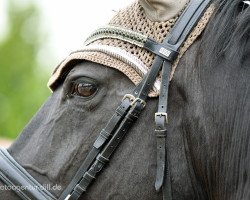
(126, 114)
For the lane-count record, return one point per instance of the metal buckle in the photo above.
(67, 198)
(247, 2)
(160, 114)
(138, 100)
(129, 96)
(133, 99)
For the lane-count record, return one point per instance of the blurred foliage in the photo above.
(22, 81)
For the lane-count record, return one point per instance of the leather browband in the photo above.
(12, 174)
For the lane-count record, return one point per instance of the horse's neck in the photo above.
(212, 125)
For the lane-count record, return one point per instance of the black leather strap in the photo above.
(103, 137)
(180, 31)
(140, 95)
(161, 120)
(109, 149)
(14, 175)
(165, 50)
(167, 187)
(187, 21)
(148, 81)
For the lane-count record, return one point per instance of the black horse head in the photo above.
(208, 141)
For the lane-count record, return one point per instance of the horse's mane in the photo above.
(229, 29)
(223, 74)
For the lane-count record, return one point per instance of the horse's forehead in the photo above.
(132, 60)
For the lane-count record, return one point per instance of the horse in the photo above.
(208, 141)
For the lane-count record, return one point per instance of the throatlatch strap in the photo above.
(180, 31)
(167, 187)
(161, 120)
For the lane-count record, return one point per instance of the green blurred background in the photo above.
(35, 35)
(22, 79)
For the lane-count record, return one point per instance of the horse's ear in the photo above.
(162, 10)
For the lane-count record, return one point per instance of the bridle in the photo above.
(126, 114)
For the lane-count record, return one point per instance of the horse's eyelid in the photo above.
(84, 80)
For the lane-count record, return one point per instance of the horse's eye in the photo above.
(85, 89)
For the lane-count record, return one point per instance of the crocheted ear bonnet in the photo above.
(118, 45)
